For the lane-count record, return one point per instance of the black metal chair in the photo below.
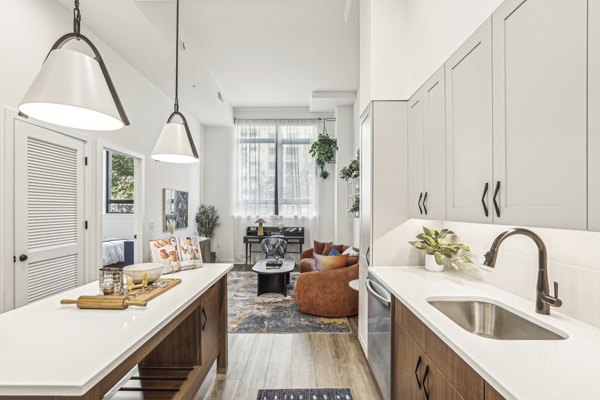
(273, 247)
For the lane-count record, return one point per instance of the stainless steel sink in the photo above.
(493, 321)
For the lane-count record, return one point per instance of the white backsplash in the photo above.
(573, 261)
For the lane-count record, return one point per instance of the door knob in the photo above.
(23, 257)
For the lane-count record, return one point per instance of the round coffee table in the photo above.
(273, 279)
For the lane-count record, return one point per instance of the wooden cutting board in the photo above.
(153, 291)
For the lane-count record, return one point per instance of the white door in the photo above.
(539, 112)
(49, 212)
(434, 198)
(469, 129)
(415, 157)
(594, 117)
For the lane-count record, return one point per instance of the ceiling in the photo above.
(258, 53)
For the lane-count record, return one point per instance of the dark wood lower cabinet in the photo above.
(426, 368)
(178, 365)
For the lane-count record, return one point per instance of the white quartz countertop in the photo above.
(51, 349)
(517, 369)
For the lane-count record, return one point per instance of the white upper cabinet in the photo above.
(594, 117)
(415, 156)
(539, 112)
(469, 129)
(427, 150)
(434, 199)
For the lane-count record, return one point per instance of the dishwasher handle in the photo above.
(379, 292)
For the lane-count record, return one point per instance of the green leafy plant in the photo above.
(207, 220)
(434, 243)
(355, 206)
(352, 170)
(323, 151)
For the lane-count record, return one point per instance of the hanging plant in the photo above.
(323, 151)
(352, 170)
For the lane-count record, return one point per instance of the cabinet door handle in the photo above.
(417, 372)
(419, 203)
(496, 206)
(483, 198)
(425, 203)
(367, 256)
(205, 319)
(425, 375)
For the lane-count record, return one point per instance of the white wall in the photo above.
(219, 151)
(118, 226)
(403, 42)
(383, 51)
(436, 28)
(345, 138)
(356, 123)
(28, 29)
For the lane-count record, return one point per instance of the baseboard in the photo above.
(226, 261)
(363, 345)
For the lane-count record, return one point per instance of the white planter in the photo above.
(431, 265)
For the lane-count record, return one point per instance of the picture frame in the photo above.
(175, 208)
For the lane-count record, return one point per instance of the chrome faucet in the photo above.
(543, 299)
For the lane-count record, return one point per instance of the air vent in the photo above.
(220, 96)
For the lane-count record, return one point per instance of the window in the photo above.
(119, 183)
(275, 172)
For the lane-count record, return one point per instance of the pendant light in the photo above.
(73, 89)
(175, 143)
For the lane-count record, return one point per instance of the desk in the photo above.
(249, 240)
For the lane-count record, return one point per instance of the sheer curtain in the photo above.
(275, 174)
(297, 178)
(256, 162)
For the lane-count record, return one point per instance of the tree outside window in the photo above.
(120, 185)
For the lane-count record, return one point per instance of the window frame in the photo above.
(108, 200)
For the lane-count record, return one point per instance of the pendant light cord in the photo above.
(76, 19)
(176, 60)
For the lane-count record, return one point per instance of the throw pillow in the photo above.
(319, 247)
(334, 252)
(351, 251)
(329, 263)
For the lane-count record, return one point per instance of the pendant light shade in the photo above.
(175, 143)
(73, 89)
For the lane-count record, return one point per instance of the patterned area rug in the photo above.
(272, 313)
(305, 394)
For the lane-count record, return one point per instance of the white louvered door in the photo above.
(49, 212)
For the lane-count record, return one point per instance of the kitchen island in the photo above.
(54, 351)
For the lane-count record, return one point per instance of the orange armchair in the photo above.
(327, 293)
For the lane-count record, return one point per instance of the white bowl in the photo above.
(136, 271)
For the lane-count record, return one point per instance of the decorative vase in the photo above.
(431, 265)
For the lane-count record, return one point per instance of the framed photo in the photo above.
(189, 250)
(165, 252)
(175, 208)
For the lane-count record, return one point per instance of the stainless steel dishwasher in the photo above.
(380, 335)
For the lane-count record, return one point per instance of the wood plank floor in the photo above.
(304, 360)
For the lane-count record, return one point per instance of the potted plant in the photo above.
(207, 220)
(352, 170)
(323, 151)
(438, 250)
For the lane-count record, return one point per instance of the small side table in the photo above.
(354, 284)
